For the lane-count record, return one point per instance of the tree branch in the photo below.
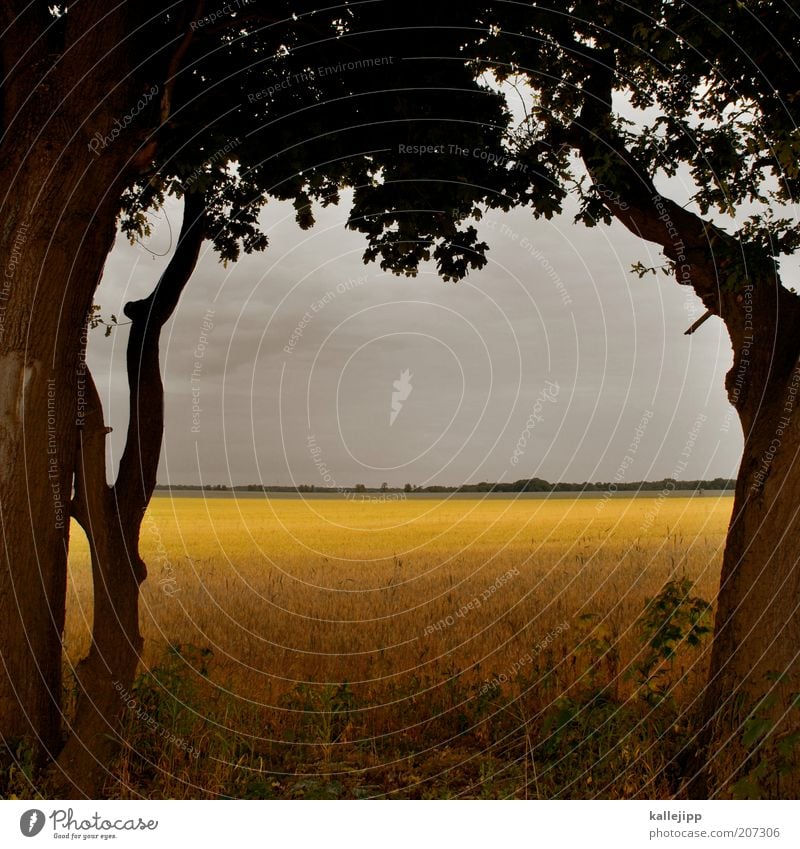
(136, 478)
(176, 59)
(702, 254)
(631, 196)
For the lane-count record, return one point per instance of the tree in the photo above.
(740, 80)
(66, 77)
(723, 86)
(299, 142)
(85, 94)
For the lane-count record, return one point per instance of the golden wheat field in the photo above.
(333, 637)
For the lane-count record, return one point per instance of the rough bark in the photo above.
(58, 203)
(112, 516)
(66, 84)
(755, 660)
(750, 711)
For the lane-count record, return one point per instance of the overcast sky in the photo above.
(546, 363)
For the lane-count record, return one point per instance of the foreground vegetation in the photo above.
(417, 648)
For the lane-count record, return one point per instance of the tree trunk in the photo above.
(112, 518)
(117, 572)
(64, 84)
(754, 671)
(40, 373)
(751, 712)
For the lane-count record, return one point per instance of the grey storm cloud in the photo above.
(305, 340)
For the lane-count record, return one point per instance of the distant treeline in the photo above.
(524, 485)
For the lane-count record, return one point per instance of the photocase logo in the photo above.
(402, 389)
(31, 822)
